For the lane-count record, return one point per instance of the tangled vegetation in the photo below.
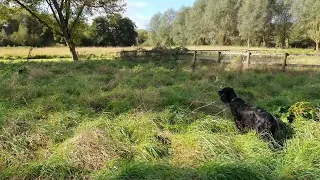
(117, 119)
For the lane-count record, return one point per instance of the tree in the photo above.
(179, 34)
(11, 26)
(165, 28)
(84, 35)
(143, 36)
(113, 30)
(306, 13)
(196, 26)
(123, 31)
(31, 31)
(266, 35)
(99, 31)
(5, 11)
(35, 30)
(253, 17)
(3, 37)
(20, 37)
(283, 22)
(221, 20)
(154, 28)
(65, 15)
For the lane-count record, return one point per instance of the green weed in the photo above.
(118, 119)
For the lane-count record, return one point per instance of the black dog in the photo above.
(248, 117)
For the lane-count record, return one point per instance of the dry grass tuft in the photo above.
(90, 150)
(187, 150)
(237, 64)
(102, 69)
(37, 141)
(39, 73)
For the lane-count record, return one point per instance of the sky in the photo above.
(141, 11)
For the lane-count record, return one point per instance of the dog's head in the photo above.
(227, 94)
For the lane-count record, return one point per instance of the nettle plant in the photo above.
(300, 111)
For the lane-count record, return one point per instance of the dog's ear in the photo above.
(227, 94)
(231, 93)
(224, 96)
(228, 98)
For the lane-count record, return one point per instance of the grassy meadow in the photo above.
(149, 119)
(17, 54)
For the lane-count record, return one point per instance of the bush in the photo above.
(299, 111)
(157, 53)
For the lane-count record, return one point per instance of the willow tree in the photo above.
(64, 16)
(253, 16)
(283, 22)
(306, 14)
(154, 29)
(221, 20)
(179, 26)
(196, 26)
(165, 27)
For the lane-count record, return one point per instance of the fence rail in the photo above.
(245, 56)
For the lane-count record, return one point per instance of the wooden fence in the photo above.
(246, 57)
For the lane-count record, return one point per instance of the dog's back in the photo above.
(250, 117)
(265, 121)
(254, 117)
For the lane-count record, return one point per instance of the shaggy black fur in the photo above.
(248, 117)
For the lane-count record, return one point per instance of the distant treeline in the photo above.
(268, 23)
(271, 23)
(21, 29)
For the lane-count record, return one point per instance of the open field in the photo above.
(100, 51)
(261, 49)
(91, 53)
(56, 52)
(116, 119)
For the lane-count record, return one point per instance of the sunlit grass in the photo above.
(63, 52)
(118, 119)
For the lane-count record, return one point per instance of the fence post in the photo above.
(219, 56)
(194, 60)
(135, 54)
(29, 54)
(241, 62)
(284, 64)
(248, 58)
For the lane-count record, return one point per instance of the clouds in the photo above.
(136, 4)
(135, 10)
(141, 11)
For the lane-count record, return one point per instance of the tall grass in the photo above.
(147, 120)
(13, 53)
(16, 53)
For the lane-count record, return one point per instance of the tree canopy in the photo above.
(306, 13)
(274, 23)
(113, 30)
(22, 29)
(63, 16)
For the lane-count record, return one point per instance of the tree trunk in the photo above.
(264, 43)
(248, 42)
(72, 49)
(73, 52)
(224, 40)
(282, 42)
(317, 46)
(287, 43)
